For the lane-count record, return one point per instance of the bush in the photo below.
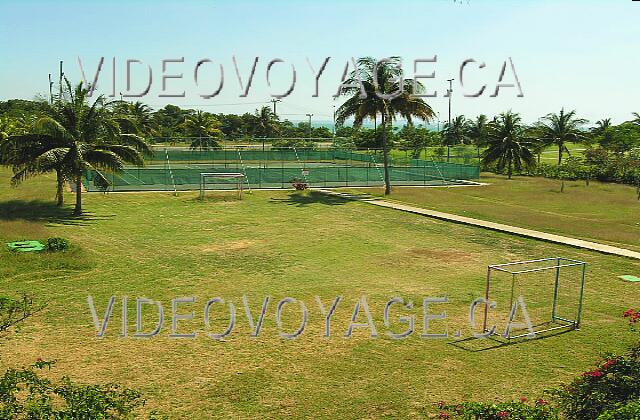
(285, 144)
(610, 391)
(24, 394)
(13, 311)
(513, 410)
(57, 244)
(299, 184)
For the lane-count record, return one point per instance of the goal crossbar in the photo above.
(238, 176)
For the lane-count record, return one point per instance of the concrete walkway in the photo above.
(549, 237)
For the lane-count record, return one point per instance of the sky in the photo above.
(576, 54)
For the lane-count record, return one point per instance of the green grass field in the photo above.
(601, 212)
(282, 243)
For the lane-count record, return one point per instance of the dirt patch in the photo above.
(234, 246)
(446, 255)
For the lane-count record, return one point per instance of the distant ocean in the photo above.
(367, 124)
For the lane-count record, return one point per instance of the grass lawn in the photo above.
(607, 213)
(281, 243)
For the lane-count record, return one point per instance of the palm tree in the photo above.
(477, 130)
(560, 129)
(267, 122)
(506, 144)
(136, 118)
(385, 93)
(74, 137)
(204, 127)
(455, 132)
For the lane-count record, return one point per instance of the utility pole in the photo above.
(274, 102)
(50, 90)
(60, 81)
(334, 121)
(449, 92)
(309, 115)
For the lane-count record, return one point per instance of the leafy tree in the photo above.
(621, 138)
(395, 99)
(232, 126)
(416, 139)
(506, 144)
(560, 129)
(74, 136)
(169, 120)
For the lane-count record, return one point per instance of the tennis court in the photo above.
(170, 169)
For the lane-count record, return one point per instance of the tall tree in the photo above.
(204, 130)
(456, 131)
(507, 144)
(478, 130)
(73, 137)
(136, 118)
(560, 129)
(267, 123)
(374, 89)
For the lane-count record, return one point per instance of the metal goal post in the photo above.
(238, 177)
(553, 289)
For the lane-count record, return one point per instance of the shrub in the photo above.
(14, 311)
(57, 244)
(299, 184)
(24, 394)
(513, 410)
(604, 388)
(609, 391)
(626, 411)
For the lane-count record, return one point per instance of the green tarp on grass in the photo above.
(26, 246)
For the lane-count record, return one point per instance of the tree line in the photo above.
(73, 133)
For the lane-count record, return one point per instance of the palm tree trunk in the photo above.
(78, 209)
(560, 147)
(385, 157)
(510, 169)
(60, 188)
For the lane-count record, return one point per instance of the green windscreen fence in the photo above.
(180, 169)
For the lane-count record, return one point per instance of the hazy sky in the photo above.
(579, 54)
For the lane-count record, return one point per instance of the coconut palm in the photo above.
(507, 144)
(455, 132)
(203, 127)
(267, 122)
(75, 136)
(136, 118)
(477, 130)
(560, 129)
(386, 94)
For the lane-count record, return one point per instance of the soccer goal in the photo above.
(525, 298)
(222, 180)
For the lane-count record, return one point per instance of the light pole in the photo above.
(449, 92)
(50, 89)
(274, 102)
(309, 115)
(334, 121)
(60, 81)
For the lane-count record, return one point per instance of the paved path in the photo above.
(549, 237)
